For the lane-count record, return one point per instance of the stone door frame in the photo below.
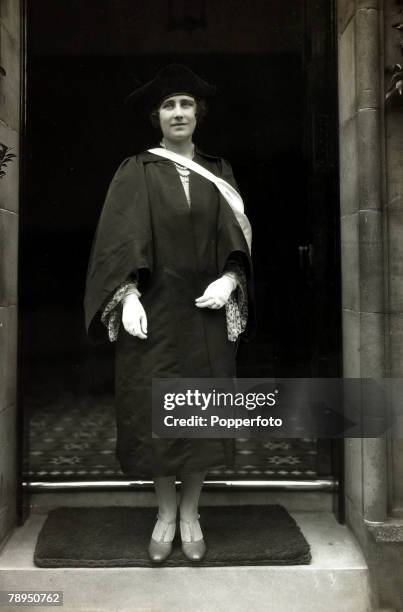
(366, 232)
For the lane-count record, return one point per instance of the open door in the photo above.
(275, 119)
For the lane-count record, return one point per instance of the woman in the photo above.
(170, 276)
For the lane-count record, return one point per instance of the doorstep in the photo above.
(319, 501)
(337, 579)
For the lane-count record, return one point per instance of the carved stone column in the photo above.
(372, 335)
(10, 62)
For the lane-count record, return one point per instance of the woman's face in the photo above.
(178, 117)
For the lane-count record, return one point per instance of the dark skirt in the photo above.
(183, 342)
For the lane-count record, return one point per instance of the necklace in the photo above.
(183, 171)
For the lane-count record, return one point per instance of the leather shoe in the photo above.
(193, 545)
(160, 546)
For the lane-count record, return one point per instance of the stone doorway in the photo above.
(371, 195)
(297, 262)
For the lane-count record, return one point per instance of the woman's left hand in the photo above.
(217, 293)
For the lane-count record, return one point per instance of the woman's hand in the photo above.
(217, 293)
(134, 317)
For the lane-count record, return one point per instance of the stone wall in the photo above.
(372, 256)
(9, 183)
(394, 227)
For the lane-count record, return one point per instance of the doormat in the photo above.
(119, 537)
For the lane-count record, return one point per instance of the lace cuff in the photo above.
(112, 312)
(236, 309)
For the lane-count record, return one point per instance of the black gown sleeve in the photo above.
(122, 246)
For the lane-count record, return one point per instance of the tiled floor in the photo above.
(59, 449)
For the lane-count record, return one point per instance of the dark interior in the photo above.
(83, 59)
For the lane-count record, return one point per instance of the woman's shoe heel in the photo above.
(193, 545)
(160, 546)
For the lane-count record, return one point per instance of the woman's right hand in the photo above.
(134, 318)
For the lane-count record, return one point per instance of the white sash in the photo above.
(227, 191)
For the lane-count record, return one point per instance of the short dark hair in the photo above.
(201, 112)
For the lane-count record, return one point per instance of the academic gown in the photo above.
(148, 229)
